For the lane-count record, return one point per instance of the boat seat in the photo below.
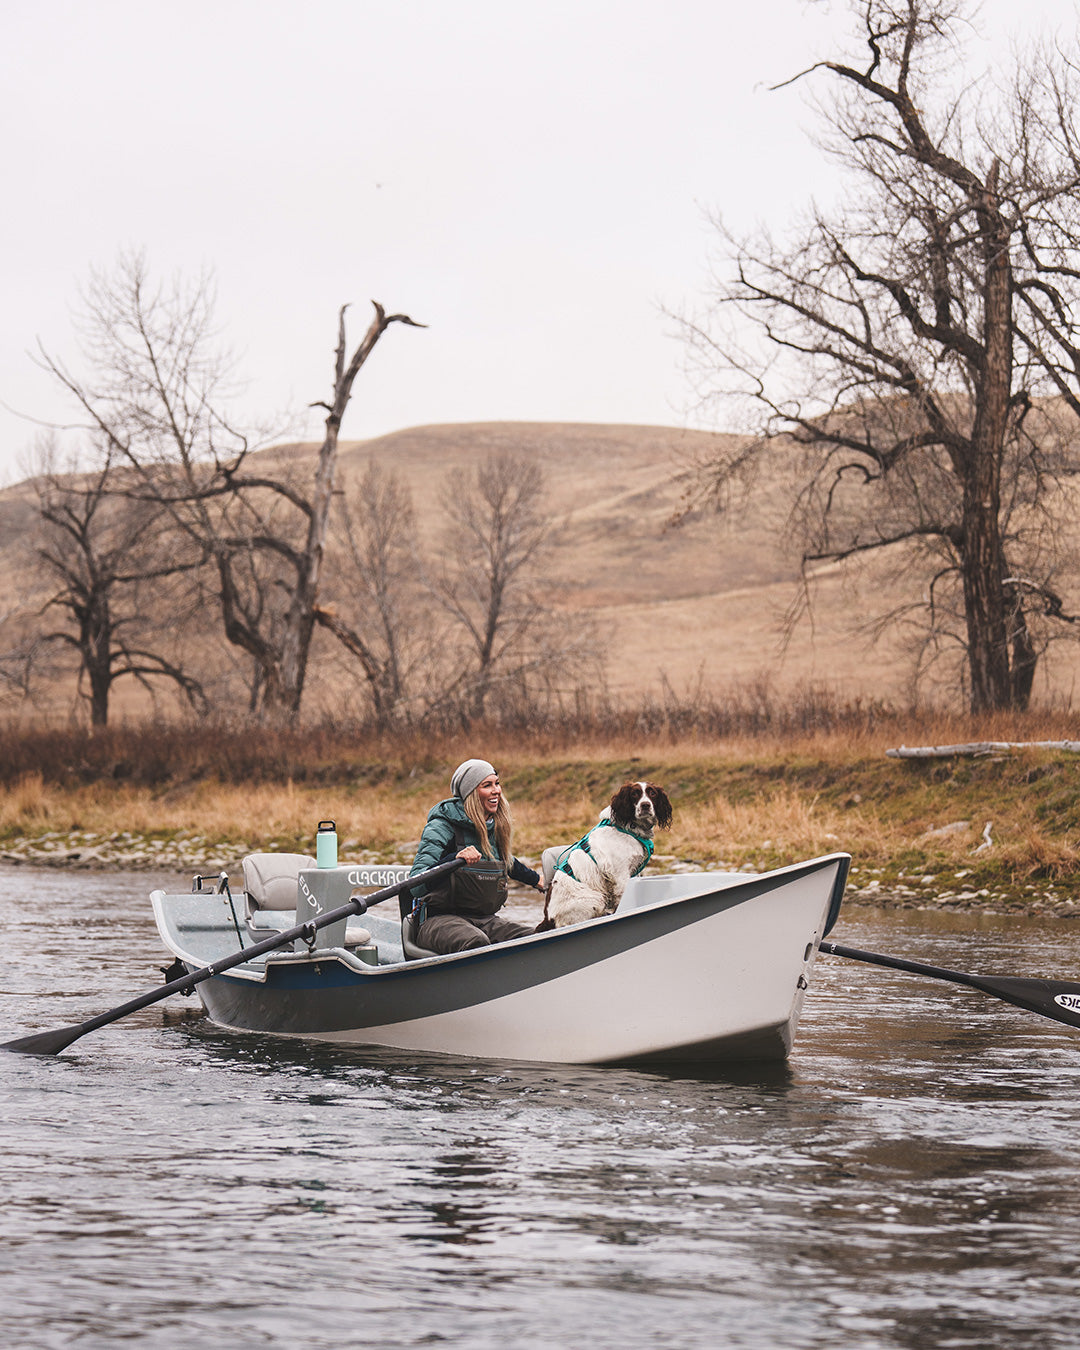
(270, 895)
(408, 940)
(550, 859)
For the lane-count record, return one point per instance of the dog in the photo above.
(588, 879)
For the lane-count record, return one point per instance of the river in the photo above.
(908, 1179)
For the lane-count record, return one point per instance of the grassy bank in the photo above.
(914, 828)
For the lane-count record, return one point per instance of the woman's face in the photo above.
(489, 794)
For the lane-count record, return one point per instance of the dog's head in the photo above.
(641, 806)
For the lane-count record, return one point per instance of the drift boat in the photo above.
(702, 968)
(708, 966)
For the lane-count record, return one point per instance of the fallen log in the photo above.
(978, 748)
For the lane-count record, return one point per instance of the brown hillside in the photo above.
(704, 601)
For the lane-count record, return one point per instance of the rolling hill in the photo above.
(695, 605)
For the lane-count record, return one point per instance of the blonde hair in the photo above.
(502, 825)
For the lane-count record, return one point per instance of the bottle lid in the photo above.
(326, 825)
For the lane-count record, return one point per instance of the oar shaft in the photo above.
(1056, 999)
(52, 1042)
(898, 963)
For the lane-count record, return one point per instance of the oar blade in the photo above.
(1056, 999)
(1059, 1000)
(45, 1042)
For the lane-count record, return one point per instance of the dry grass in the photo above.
(780, 822)
(784, 822)
(27, 803)
(1034, 854)
(761, 799)
(262, 813)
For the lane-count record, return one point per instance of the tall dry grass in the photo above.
(783, 821)
(776, 822)
(27, 801)
(749, 722)
(264, 814)
(771, 789)
(386, 818)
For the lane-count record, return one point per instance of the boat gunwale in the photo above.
(263, 971)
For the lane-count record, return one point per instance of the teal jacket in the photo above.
(438, 844)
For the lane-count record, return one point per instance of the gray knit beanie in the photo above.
(470, 775)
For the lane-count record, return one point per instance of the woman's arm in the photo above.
(527, 877)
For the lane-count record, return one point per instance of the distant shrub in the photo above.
(346, 750)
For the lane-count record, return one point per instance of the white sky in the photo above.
(528, 177)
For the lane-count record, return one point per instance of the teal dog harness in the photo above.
(646, 843)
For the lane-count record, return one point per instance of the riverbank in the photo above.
(999, 833)
(871, 887)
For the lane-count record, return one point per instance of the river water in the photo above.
(908, 1179)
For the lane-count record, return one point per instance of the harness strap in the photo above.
(583, 843)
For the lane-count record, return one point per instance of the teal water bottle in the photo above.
(326, 844)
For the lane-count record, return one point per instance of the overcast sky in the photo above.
(528, 178)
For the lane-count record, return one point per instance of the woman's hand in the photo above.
(470, 854)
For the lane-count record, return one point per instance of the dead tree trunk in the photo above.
(983, 559)
(153, 399)
(285, 664)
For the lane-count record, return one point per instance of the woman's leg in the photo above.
(499, 929)
(443, 933)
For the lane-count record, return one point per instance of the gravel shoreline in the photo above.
(192, 854)
(129, 852)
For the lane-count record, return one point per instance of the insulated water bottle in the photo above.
(326, 844)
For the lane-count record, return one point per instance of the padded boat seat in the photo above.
(408, 940)
(270, 895)
(550, 859)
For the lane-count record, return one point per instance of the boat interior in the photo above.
(210, 922)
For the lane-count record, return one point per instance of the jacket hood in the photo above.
(451, 810)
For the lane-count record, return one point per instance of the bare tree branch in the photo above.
(155, 401)
(905, 346)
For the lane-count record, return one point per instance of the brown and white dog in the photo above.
(589, 878)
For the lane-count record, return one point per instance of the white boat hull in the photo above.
(716, 971)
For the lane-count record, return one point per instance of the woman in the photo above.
(474, 823)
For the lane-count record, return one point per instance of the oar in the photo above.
(1058, 999)
(52, 1042)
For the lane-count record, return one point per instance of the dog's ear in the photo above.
(623, 804)
(661, 805)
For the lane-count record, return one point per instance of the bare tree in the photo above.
(156, 398)
(375, 597)
(906, 343)
(105, 565)
(491, 584)
(497, 534)
(20, 652)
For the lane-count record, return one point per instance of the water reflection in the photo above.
(489, 1083)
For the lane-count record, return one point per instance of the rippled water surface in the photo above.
(910, 1178)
